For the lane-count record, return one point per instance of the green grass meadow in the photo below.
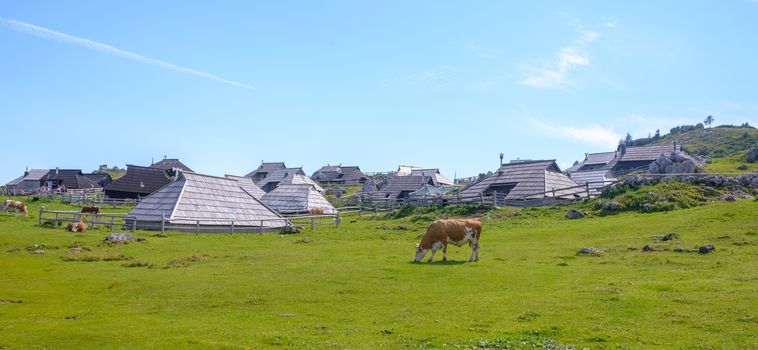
(355, 287)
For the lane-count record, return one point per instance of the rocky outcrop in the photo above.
(752, 154)
(676, 163)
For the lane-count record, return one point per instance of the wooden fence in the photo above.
(59, 218)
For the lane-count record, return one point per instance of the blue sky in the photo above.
(446, 84)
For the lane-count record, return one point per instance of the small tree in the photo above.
(628, 140)
(709, 120)
(657, 133)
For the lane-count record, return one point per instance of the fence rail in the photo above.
(59, 216)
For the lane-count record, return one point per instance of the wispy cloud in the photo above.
(50, 34)
(591, 134)
(554, 73)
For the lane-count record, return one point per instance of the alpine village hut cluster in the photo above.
(170, 193)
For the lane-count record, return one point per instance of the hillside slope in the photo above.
(725, 147)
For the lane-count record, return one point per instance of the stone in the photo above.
(39, 251)
(706, 249)
(670, 236)
(679, 250)
(742, 167)
(647, 248)
(141, 239)
(730, 198)
(573, 214)
(588, 250)
(118, 237)
(612, 206)
(752, 154)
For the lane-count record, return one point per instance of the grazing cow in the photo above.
(442, 232)
(78, 227)
(17, 206)
(90, 210)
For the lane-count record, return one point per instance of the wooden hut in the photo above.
(631, 158)
(30, 182)
(287, 176)
(399, 187)
(293, 199)
(209, 202)
(264, 170)
(70, 179)
(138, 182)
(170, 164)
(530, 179)
(338, 174)
(435, 173)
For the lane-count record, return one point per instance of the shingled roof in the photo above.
(401, 186)
(248, 185)
(264, 169)
(102, 179)
(597, 179)
(438, 177)
(139, 180)
(72, 179)
(296, 199)
(645, 153)
(524, 178)
(169, 164)
(339, 174)
(212, 200)
(286, 176)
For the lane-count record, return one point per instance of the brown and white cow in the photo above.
(442, 232)
(17, 206)
(76, 227)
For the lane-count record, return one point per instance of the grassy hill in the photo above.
(725, 146)
(356, 287)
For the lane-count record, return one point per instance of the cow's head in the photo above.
(420, 252)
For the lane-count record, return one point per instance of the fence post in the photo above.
(232, 226)
(163, 223)
(494, 198)
(337, 219)
(312, 223)
(198, 227)
(587, 188)
(134, 224)
(553, 192)
(41, 210)
(481, 198)
(113, 222)
(260, 230)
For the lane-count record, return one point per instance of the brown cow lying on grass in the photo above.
(90, 210)
(17, 206)
(78, 227)
(317, 211)
(442, 232)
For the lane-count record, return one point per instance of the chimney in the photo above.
(501, 159)
(56, 170)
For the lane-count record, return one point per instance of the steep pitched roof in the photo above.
(396, 185)
(213, 200)
(645, 153)
(596, 179)
(286, 176)
(15, 181)
(338, 173)
(140, 179)
(168, 164)
(99, 178)
(405, 170)
(267, 168)
(441, 179)
(599, 158)
(527, 178)
(301, 198)
(71, 178)
(36, 174)
(248, 185)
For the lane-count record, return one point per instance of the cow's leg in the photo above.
(477, 251)
(431, 258)
(435, 247)
(444, 251)
(474, 245)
